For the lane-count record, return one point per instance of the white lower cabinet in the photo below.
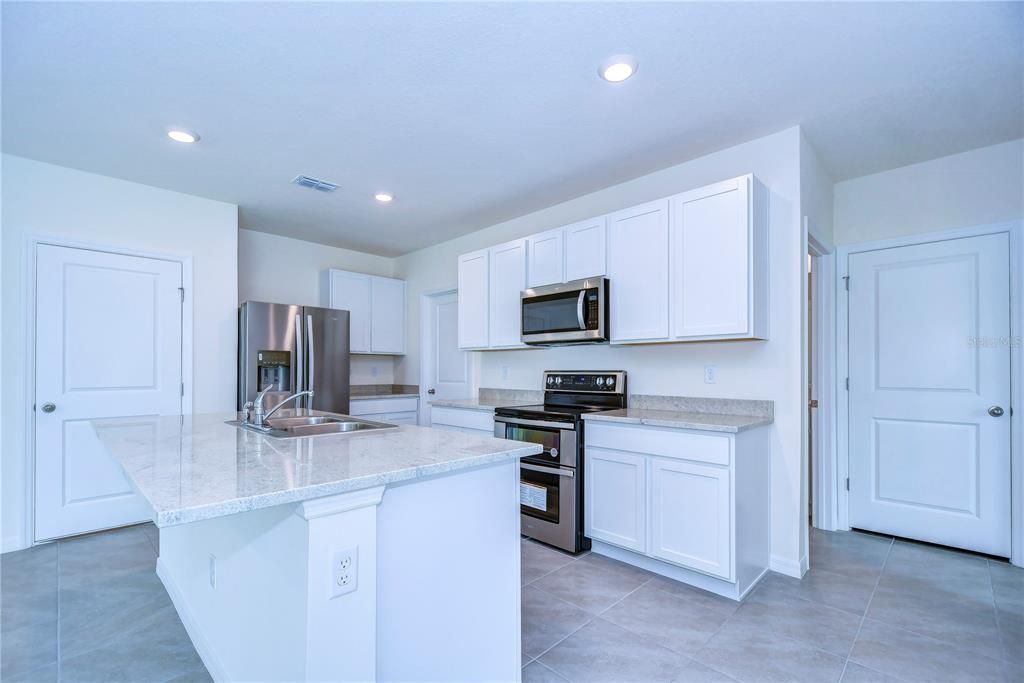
(615, 489)
(404, 410)
(688, 504)
(691, 514)
(467, 420)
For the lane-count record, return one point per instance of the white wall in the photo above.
(287, 271)
(816, 195)
(756, 370)
(51, 201)
(977, 187)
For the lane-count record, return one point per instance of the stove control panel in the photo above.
(589, 381)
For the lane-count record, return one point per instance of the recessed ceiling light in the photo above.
(179, 135)
(618, 68)
(383, 197)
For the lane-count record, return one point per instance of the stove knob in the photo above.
(610, 382)
(551, 380)
(558, 380)
(600, 381)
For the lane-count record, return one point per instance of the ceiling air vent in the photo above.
(314, 183)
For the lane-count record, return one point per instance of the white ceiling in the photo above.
(474, 113)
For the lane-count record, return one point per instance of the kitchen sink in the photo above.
(312, 425)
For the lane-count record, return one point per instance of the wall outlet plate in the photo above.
(710, 374)
(344, 571)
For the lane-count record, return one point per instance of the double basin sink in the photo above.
(312, 425)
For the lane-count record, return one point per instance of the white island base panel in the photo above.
(436, 585)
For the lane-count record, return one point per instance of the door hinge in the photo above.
(847, 483)
(846, 281)
(183, 389)
(181, 291)
(847, 383)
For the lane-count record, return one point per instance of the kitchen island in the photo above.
(385, 555)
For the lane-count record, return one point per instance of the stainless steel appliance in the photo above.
(572, 313)
(289, 349)
(551, 484)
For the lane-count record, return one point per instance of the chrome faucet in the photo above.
(256, 415)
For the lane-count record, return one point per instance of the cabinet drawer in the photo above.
(372, 406)
(480, 420)
(670, 443)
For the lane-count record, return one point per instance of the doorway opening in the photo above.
(446, 371)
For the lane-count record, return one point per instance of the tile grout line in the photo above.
(589, 621)
(995, 609)
(860, 626)
(60, 671)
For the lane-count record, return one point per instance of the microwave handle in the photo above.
(579, 309)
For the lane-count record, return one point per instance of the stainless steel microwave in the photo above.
(572, 313)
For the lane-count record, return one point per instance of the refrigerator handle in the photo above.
(300, 350)
(312, 359)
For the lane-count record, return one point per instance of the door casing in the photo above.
(30, 246)
(1015, 231)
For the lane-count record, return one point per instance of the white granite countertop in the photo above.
(711, 422)
(199, 467)
(478, 403)
(364, 397)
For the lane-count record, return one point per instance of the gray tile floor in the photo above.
(872, 609)
(92, 609)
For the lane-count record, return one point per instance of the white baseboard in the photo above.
(210, 660)
(788, 567)
(8, 544)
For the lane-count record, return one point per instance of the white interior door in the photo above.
(108, 344)
(447, 370)
(929, 375)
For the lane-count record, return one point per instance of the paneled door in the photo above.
(108, 345)
(929, 362)
(447, 372)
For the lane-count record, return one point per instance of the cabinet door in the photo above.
(473, 299)
(691, 521)
(585, 249)
(544, 260)
(351, 292)
(406, 418)
(638, 273)
(508, 280)
(387, 315)
(712, 261)
(614, 502)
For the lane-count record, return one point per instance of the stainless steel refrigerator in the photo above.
(294, 348)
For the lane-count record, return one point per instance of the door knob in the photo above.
(49, 407)
(431, 392)
(995, 411)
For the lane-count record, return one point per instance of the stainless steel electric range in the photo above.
(551, 483)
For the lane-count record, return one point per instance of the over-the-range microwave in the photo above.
(572, 313)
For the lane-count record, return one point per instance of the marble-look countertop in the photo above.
(198, 467)
(488, 404)
(369, 396)
(712, 422)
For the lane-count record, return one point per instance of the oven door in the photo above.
(562, 314)
(557, 438)
(547, 501)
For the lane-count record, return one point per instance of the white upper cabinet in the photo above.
(474, 299)
(376, 307)
(351, 292)
(387, 315)
(545, 258)
(719, 261)
(638, 273)
(585, 249)
(507, 281)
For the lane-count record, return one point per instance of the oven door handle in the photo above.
(547, 470)
(516, 421)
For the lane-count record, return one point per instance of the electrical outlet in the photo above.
(344, 571)
(710, 374)
(213, 571)
(504, 372)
